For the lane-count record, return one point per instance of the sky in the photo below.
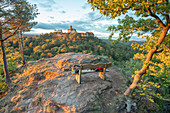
(60, 14)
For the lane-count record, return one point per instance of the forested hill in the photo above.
(49, 45)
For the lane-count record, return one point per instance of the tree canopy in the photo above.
(141, 17)
(13, 15)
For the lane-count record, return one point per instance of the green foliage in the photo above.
(122, 52)
(150, 16)
(12, 64)
(156, 12)
(130, 65)
(154, 85)
(49, 45)
(3, 85)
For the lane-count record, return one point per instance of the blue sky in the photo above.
(60, 14)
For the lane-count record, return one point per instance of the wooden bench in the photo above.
(82, 67)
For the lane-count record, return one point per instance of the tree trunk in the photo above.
(149, 57)
(5, 67)
(21, 48)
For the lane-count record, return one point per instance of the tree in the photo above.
(150, 16)
(27, 13)
(12, 18)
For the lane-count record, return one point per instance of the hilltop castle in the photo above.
(72, 30)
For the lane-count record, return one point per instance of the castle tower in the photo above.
(71, 30)
(70, 27)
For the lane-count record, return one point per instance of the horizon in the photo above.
(106, 38)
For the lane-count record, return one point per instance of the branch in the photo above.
(98, 18)
(159, 51)
(13, 32)
(157, 29)
(156, 17)
(3, 23)
(7, 4)
(161, 1)
(9, 30)
(149, 57)
(4, 6)
(5, 31)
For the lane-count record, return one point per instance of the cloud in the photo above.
(51, 17)
(63, 12)
(93, 15)
(51, 26)
(48, 5)
(96, 16)
(84, 25)
(85, 6)
(79, 25)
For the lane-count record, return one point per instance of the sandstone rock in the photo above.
(47, 86)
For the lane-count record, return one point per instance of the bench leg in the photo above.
(78, 77)
(102, 75)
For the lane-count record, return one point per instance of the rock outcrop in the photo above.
(47, 85)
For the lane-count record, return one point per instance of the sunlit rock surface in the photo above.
(47, 85)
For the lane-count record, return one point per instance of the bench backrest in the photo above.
(93, 66)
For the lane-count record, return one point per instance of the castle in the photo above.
(72, 30)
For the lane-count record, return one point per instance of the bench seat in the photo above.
(90, 68)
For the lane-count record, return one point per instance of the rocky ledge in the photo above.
(47, 85)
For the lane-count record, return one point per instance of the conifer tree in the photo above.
(26, 15)
(13, 13)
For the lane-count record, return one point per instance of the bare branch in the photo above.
(98, 18)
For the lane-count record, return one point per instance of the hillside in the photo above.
(51, 44)
(47, 85)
